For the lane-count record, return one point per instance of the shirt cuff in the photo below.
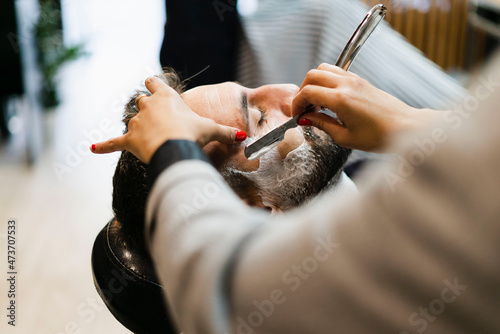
(170, 152)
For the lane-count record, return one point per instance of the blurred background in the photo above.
(57, 191)
(68, 67)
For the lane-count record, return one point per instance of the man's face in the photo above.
(256, 111)
(296, 170)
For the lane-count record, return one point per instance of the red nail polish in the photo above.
(241, 136)
(93, 147)
(305, 122)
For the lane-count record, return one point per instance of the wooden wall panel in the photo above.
(436, 27)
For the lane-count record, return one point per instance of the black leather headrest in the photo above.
(125, 279)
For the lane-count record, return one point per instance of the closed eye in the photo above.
(262, 117)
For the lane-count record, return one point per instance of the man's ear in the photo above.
(276, 211)
(270, 208)
(256, 202)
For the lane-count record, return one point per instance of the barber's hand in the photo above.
(164, 116)
(369, 116)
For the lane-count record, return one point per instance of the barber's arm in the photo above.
(370, 117)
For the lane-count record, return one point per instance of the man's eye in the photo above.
(262, 117)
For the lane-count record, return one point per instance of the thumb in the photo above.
(328, 124)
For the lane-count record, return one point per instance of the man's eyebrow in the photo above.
(244, 108)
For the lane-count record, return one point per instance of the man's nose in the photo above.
(277, 101)
(272, 97)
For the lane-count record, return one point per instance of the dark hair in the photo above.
(130, 191)
(130, 186)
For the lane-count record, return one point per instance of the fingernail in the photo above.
(92, 148)
(241, 136)
(305, 122)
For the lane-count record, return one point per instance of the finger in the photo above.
(329, 125)
(156, 85)
(228, 134)
(315, 95)
(139, 99)
(111, 145)
(334, 69)
(301, 101)
(321, 78)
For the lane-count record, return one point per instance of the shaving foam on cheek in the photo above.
(263, 151)
(276, 176)
(248, 141)
(271, 164)
(293, 136)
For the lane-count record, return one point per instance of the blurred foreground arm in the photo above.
(418, 251)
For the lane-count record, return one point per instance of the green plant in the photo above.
(52, 53)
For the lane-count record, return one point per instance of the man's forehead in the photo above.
(225, 87)
(220, 102)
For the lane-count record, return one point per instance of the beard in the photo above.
(285, 183)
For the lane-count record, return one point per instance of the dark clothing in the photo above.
(201, 33)
(10, 63)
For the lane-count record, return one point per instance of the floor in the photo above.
(62, 201)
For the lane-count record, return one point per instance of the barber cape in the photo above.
(341, 190)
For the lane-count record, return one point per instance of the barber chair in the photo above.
(125, 279)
